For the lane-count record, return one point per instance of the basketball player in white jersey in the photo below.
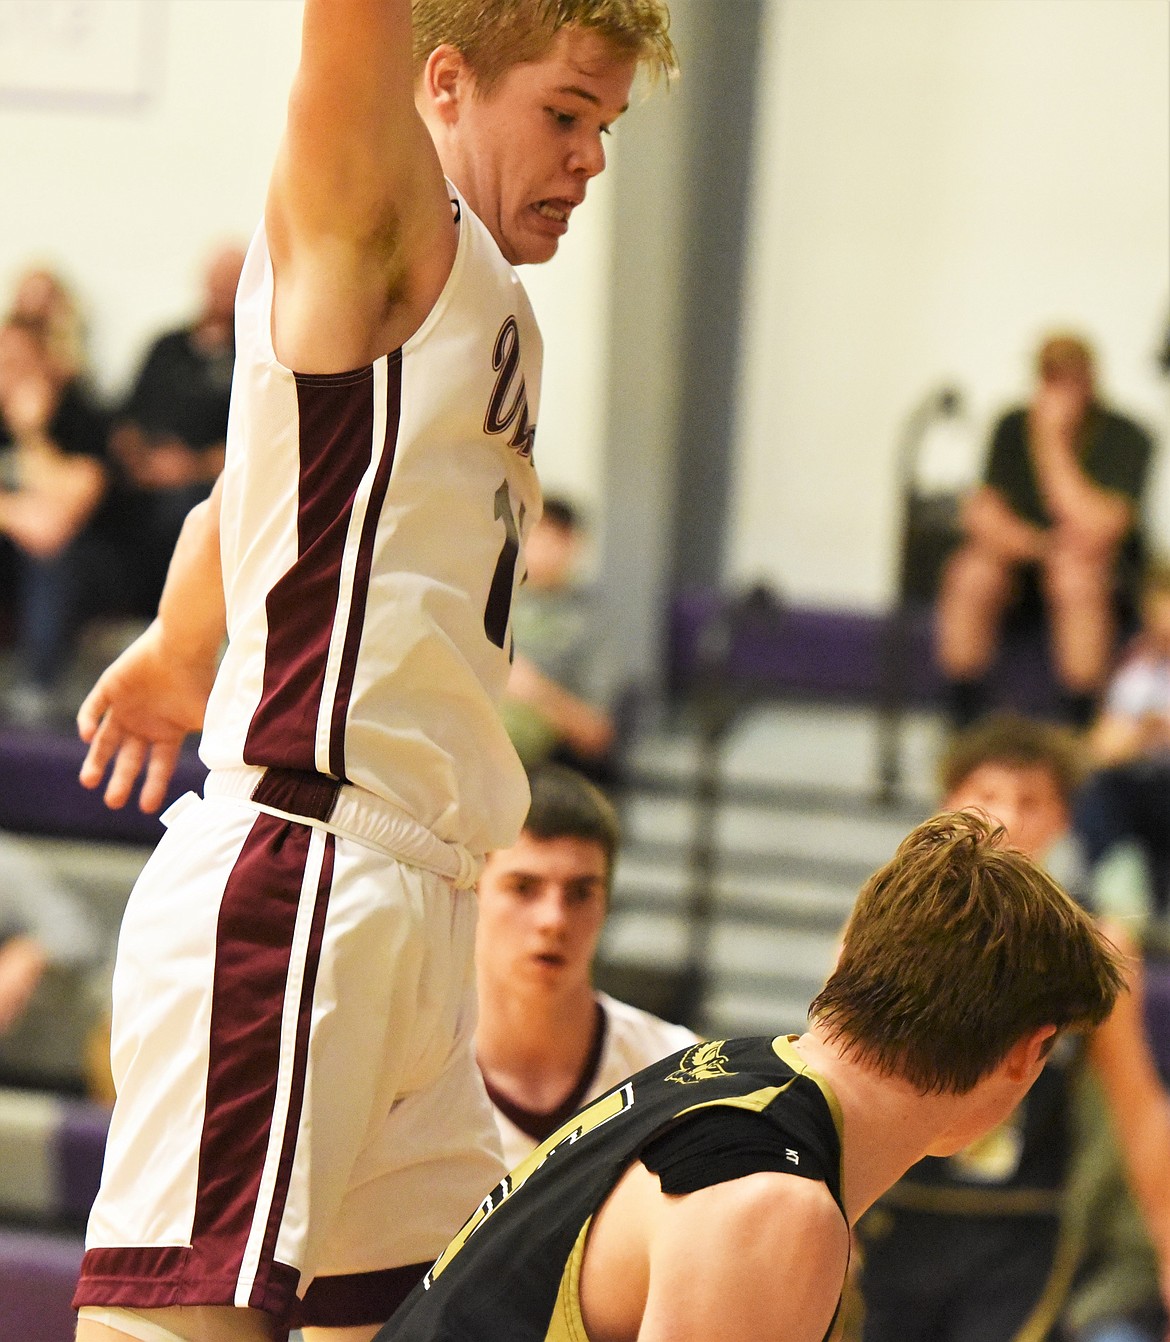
(548, 1042)
(300, 1125)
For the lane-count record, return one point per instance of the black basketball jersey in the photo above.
(510, 1275)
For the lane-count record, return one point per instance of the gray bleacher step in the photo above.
(799, 743)
(733, 1012)
(664, 826)
(793, 906)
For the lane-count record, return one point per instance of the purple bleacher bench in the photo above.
(40, 794)
(50, 1164)
(37, 1275)
(835, 654)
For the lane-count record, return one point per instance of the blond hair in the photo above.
(495, 37)
(957, 948)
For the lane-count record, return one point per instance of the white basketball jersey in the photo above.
(371, 531)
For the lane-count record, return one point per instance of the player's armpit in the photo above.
(358, 218)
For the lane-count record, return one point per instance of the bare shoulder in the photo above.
(715, 1267)
(707, 1264)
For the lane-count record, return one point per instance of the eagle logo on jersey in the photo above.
(701, 1062)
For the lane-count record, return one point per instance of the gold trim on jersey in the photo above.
(566, 1323)
(784, 1048)
(601, 1111)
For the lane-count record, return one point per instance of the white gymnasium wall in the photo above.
(938, 181)
(126, 199)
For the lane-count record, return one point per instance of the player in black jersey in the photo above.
(711, 1195)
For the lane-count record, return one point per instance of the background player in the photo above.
(711, 1196)
(547, 1042)
(1034, 1222)
(299, 1113)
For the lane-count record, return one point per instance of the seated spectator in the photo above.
(1127, 798)
(1058, 507)
(42, 298)
(53, 480)
(547, 1041)
(49, 939)
(169, 434)
(1034, 1224)
(551, 709)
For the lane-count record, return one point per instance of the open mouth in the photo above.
(556, 210)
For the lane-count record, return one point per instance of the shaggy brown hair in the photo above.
(1018, 742)
(957, 948)
(495, 35)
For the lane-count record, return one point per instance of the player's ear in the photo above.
(446, 80)
(1026, 1056)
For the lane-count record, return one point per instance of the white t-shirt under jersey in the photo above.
(633, 1040)
(370, 537)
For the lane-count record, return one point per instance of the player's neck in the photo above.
(889, 1124)
(531, 1041)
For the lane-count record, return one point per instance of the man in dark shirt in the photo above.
(169, 439)
(1060, 501)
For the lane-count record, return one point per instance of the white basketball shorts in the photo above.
(299, 1111)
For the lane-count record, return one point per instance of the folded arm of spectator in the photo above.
(1117, 738)
(1089, 516)
(993, 526)
(58, 491)
(583, 726)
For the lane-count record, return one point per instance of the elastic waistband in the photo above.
(313, 799)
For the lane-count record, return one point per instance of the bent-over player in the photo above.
(300, 1124)
(547, 1041)
(712, 1194)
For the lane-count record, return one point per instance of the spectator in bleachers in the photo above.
(48, 939)
(1059, 509)
(1034, 1225)
(1127, 798)
(42, 298)
(548, 1042)
(169, 434)
(552, 709)
(53, 480)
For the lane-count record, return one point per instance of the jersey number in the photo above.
(601, 1111)
(499, 602)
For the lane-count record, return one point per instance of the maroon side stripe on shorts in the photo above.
(335, 446)
(260, 1297)
(365, 559)
(254, 940)
(258, 915)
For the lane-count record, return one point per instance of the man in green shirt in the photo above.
(1059, 502)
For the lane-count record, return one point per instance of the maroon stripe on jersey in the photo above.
(365, 560)
(336, 427)
(300, 1063)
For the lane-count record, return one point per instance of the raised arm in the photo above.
(144, 705)
(359, 224)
